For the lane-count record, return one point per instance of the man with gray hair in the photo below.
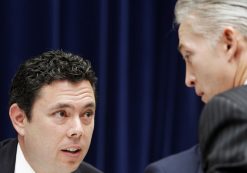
(213, 43)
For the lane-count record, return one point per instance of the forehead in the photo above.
(67, 90)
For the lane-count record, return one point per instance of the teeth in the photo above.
(72, 149)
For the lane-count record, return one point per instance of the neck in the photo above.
(241, 74)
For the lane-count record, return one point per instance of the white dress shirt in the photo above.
(21, 165)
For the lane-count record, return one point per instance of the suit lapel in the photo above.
(8, 155)
(198, 153)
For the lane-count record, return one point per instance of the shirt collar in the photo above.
(21, 164)
(245, 83)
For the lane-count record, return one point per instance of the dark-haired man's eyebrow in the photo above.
(66, 105)
(61, 105)
(90, 105)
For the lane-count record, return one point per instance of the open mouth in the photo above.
(71, 150)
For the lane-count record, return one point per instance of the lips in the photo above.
(199, 93)
(72, 150)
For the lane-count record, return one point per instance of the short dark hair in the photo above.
(43, 70)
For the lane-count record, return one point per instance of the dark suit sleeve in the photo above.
(154, 168)
(223, 133)
(87, 168)
(184, 162)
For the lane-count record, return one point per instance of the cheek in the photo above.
(89, 131)
(45, 134)
(38, 143)
(202, 70)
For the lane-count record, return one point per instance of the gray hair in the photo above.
(210, 17)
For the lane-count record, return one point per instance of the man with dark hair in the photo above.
(52, 108)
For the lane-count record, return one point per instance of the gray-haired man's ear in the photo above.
(231, 43)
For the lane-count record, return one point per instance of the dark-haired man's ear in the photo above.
(17, 116)
(230, 40)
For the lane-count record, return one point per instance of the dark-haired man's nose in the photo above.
(76, 129)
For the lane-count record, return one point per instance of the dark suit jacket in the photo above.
(8, 154)
(185, 162)
(223, 132)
